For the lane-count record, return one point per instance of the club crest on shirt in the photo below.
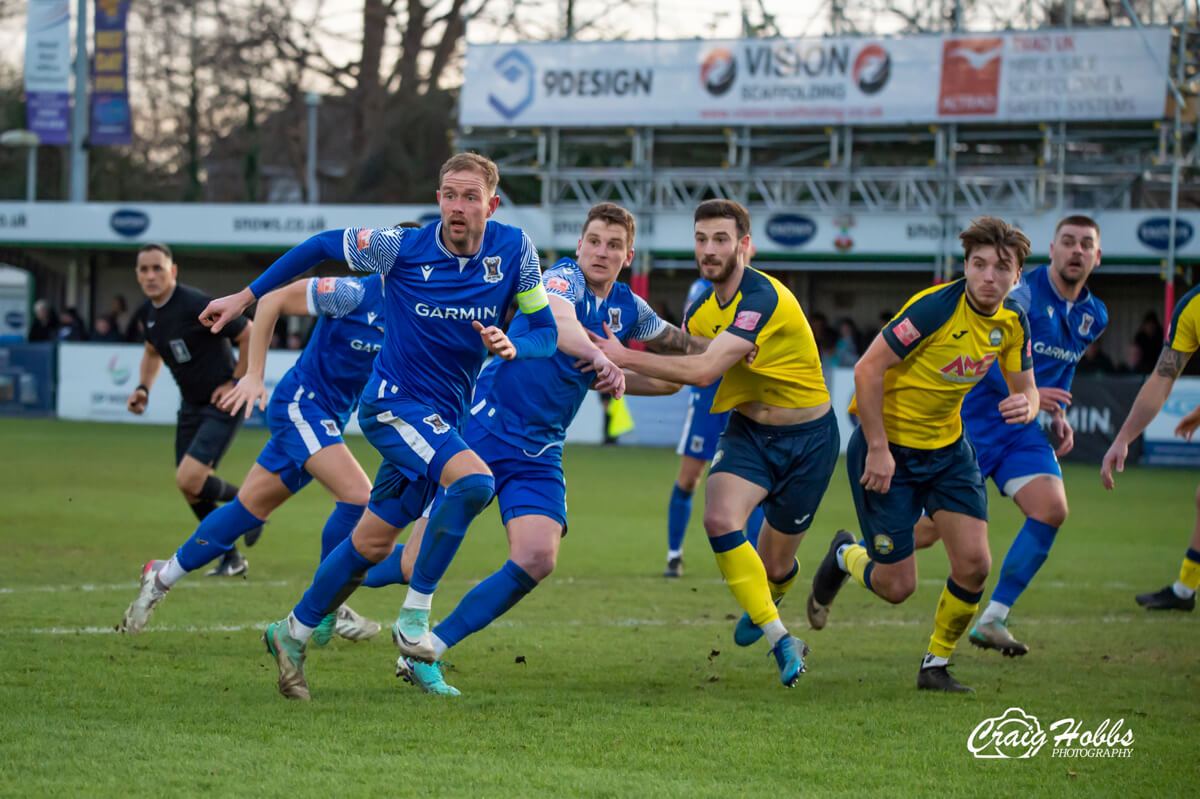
(614, 320)
(435, 421)
(1085, 324)
(491, 269)
(995, 337)
(331, 428)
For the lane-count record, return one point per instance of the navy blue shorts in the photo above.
(931, 479)
(792, 462)
(702, 428)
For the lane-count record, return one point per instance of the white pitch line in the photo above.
(1048, 621)
(224, 584)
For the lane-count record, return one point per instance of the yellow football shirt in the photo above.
(1184, 333)
(787, 370)
(946, 346)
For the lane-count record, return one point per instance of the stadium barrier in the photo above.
(94, 381)
(27, 379)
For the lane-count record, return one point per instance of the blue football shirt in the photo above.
(341, 351)
(1061, 331)
(431, 352)
(531, 403)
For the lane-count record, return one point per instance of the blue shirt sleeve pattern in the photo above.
(298, 260)
(531, 267)
(372, 250)
(649, 324)
(334, 296)
(565, 280)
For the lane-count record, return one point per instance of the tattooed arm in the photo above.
(1149, 402)
(673, 341)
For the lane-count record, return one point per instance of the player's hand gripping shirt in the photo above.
(787, 369)
(337, 361)
(1060, 331)
(432, 354)
(947, 347)
(531, 403)
(1184, 333)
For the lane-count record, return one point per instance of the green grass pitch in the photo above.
(607, 681)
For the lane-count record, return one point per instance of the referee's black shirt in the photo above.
(198, 360)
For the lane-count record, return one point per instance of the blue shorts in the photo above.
(527, 484)
(702, 428)
(413, 438)
(1015, 451)
(300, 428)
(406, 503)
(931, 479)
(792, 462)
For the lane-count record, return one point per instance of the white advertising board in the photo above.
(1043, 75)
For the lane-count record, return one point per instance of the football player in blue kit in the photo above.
(306, 415)
(522, 409)
(446, 289)
(697, 445)
(1064, 318)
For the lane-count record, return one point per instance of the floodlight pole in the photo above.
(79, 114)
(314, 103)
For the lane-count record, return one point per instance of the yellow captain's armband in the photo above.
(533, 300)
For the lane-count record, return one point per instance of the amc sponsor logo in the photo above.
(128, 222)
(791, 230)
(1155, 232)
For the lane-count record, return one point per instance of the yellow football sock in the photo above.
(745, 575)
(779, 589)
(1189, 572)
(856, 559)
(955, 610)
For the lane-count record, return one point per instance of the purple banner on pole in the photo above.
(48, 70)
(111, 123)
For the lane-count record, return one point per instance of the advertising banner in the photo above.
(1098, 408)
(111, 123)
(48, 70)
(1108, 74)
(1136, 234)
(27, 379)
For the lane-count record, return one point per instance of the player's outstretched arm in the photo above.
(701, 369)
(868, 389)
(147, 372)
(573, 340)
(639, 385)
(250, 387)
(293, 263)
(674, 341)
(1146, 405)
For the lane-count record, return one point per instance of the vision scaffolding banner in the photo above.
(1108, 74)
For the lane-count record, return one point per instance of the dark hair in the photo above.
(472, 162)
(612, 214)
(1077, 220)
(407, 224)
(151, 246)
(988, 231)
(724, 209)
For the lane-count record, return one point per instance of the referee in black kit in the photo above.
(203, 366)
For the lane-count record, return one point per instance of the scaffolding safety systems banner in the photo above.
(1044, 75)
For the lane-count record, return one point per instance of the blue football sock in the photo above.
(216, 534)
(679, 513)
(1026, 555)
(387, 571)
(464, 499)
(754, 526)
(338, 575)
(485, 603)
(339, 525)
